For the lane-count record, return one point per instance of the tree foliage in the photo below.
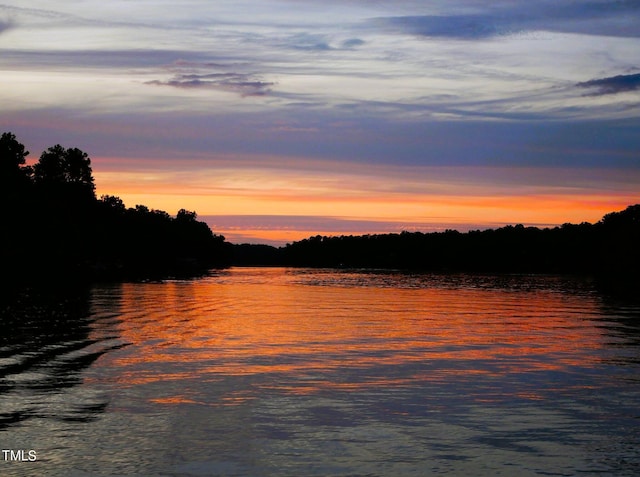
(13, 171)
(12, 153)
(56, 225)
(65, 174)
(607, 247)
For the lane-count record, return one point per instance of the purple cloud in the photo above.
(593, 18)
(5, 25)
(243, 84)
(612, 84)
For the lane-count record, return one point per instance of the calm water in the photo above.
(281, 372)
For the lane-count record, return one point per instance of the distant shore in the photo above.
(55, 228)
(608, 247)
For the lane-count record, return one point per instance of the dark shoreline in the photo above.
(56, 229)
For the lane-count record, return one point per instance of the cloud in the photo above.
(243, 84)
(5, 25)
(612, 84)
(306, 41)
(96, 58)
(319, 42)
(325, 223)
(600, 18)
(281, 229)
(457, 26)
(352, 43)
(35, 12)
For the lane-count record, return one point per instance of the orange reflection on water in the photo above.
(295, 333)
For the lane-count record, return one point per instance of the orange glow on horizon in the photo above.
(448, 196)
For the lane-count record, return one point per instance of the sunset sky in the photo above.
(276, 120)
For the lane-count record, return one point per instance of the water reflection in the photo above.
(276, 372)
(46, 344)
(187, 330)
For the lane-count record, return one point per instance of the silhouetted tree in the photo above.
(113, 203)
(627, 218)
(16, 203)
(14, 174)
(606, 248)
(65, 172)
(54, 224)
(52, 220)
(619, 233)
(186, 216)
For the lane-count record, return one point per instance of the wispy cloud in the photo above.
(605, 18)
(612, 84)
(109, 59)
(223, 75)
(453, 26)
(243, 84)
(320, 42)
(309, 42)
(368, 90)
(353, 43)
(5, 25)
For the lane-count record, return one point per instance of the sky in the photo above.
(278, 120)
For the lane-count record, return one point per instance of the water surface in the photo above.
(290, 372)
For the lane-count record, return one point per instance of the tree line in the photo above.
(609, 248)
(54, 225)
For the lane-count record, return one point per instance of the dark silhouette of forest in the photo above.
(610, 246)
(53, 225)
(609, 249)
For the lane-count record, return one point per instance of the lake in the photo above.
(301, 372)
